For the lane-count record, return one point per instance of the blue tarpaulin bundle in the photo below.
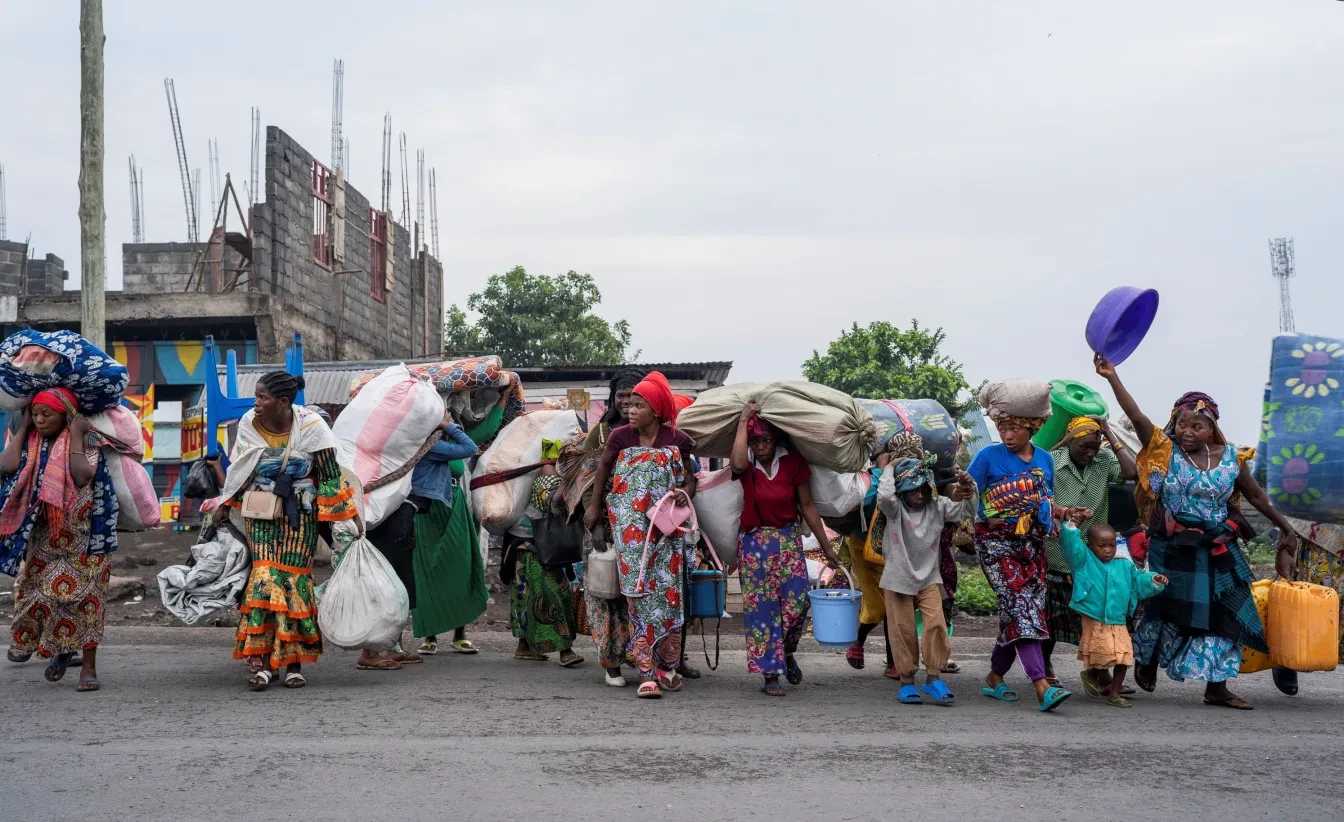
(1302, 437)
(31, 361)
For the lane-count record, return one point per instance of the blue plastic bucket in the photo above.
(835, 616)
(709, 594)
(1120, 321)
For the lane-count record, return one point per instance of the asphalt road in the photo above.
(174, 735)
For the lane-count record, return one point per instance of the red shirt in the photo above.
(772, 502)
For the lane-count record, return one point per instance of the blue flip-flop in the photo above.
(909, 695)
(938, 692)
(1001, 692)
(1053, 697)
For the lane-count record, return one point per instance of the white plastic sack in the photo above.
(363, 605)
(498, 507)
(192, 593)
(718, 507)
(1016, 398)
(137, 504)
(836, 495)
(827, 427)
(382, 429)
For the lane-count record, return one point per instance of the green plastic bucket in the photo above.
(1068, 399)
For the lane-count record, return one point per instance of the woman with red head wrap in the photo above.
(648, 458)
(57, 512)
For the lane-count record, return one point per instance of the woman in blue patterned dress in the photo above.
(1190, 478)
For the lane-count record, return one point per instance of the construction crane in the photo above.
(137, 217)
(387, 161)
(4, 229)
(254, 182)
(337, 105)
(183, 169)
(405, 185)
(1282, 267)
(434, 214)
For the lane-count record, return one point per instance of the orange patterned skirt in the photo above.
(59, 599)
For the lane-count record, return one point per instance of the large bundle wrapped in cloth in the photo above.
(1302, 439)
(32, 361)
(1016, 398)
(500, 505)
(926, 418)
(827, 427)
(383, 432)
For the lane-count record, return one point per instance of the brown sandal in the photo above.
(1236, 703)
(380, 665)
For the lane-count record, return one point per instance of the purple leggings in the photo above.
(1033, 661)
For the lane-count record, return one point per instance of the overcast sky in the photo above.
(773, 171)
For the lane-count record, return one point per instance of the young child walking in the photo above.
(910, 574)
(1106, 592)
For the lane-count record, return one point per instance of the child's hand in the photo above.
(1077, 516)
(1161, 580)
(964, 480)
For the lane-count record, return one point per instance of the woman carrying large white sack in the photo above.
(283, 479)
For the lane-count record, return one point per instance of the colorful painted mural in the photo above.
(180, 362)
(143, 406)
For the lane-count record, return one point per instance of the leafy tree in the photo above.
(883, 362)
(535, 321)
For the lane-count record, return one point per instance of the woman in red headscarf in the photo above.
(647, 459)
(55, 499)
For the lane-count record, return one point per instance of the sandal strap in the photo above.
(264, 674)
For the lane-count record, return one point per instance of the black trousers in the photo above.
(395, 539)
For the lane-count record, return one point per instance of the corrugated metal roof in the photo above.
(323, 387)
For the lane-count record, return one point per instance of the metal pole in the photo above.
(92, 216)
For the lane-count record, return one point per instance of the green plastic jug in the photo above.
(1068, 399)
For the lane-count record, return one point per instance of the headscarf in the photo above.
(627, 377)
(655, 390)
(683, 402)
(1032, 424)
(1078, 428)
(1200, 403)
(906, 445)
(913, 474)
(758, 428)
(59, 399)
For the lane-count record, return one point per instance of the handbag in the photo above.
(267, 505)
(557, 541)
(667, 517)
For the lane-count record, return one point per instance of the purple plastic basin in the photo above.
(1120, 321)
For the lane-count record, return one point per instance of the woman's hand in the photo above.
(79, 427)
(590, 516)
(832, 558)
(1104, 368)
(750, 412)
(1285, 554)
(359, 524)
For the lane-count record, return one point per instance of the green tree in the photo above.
(883, 362)
(537, 321)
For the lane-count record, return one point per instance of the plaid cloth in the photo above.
(1210, 583)
(1063, 623)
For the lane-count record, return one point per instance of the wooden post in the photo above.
(92, 217)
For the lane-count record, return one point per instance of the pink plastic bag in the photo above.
(138, 504)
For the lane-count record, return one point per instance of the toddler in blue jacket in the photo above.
(1106, 592)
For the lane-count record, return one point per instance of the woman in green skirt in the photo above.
(451, 591)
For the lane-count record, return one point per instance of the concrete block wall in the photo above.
(156, 268)
(13, 260)
(46, 277)
(335, 309)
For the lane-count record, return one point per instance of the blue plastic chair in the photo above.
(225, 406)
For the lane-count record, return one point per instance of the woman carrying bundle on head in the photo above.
(283, 479)
(58, 515)
(647, 459)
(1190, 484)
(773, 572)
(1015, 480)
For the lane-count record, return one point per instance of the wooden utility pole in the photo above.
(92, 217)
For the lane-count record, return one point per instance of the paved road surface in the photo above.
(175, 736)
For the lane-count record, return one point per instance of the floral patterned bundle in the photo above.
(1302, 435)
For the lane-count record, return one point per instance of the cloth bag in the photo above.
(835, 494)
(718, 507)
(827, 426)
(498, 507)
(364, 604)
(1017, 398)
